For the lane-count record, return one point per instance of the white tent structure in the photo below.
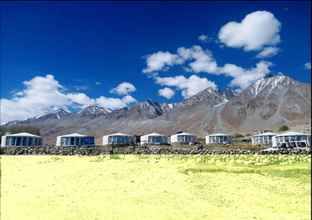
(154, 138)
(20, 140)
(219, 138)
(75, 139)
(263, 138)
(183, 138)
(118, 139)
(291, 137)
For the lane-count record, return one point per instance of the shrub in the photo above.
(114, 157)
(238, 135)
(283, 128)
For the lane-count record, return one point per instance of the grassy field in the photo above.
(155, 187)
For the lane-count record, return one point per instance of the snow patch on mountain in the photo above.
(222, 103)
(269, 84)
(58, 113)
(94, 109)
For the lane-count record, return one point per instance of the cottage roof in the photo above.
(265, 134)
(154, 134)
(184, 133)
(219, 134)
(291, 133)
(118, 134)
(73, 135)
(23, 134)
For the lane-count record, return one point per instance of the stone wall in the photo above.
(152, 149)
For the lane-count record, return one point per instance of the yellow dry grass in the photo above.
(155, 187)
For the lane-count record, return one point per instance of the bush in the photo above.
(114, 157)
(238, 135)
(283, 128)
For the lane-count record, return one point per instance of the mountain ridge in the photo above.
(266, 104)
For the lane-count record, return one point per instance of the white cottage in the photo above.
(265, 138)
(154, 138)
(75, 139)
(219, 138)
(183, 138)
(292, 138)
(118, 139)
(20, 140)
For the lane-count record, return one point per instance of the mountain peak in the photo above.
(209, 96)
(148, 103)
(56, 112)
(270, 83)
(167, 107)
(148, 108)
(94, 109)
(229, 93)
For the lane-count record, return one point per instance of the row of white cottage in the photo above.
(75, 139)
(274, 140)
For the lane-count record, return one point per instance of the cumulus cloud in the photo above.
(188, 86)
(268, 52)
(245, 77)
(40, 95)
(202, 60)
(128, 99)
(123, 88)
(44, 93)
(203, 37)
(114, 103)
(256, 30)
(197, 60)
(307, 66)
(166, 93)
(80, 99)
(158, 61)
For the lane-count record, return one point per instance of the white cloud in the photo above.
(188, 86)
(245, 77)
(80, 99)
(158, 61)
(203, 60)
(40, 95)
(123, 88)
(268, 52)
(166, 93)
(113, 103)
(203, 37)
(307, 66)
(44, 93)
(198, 60)
(256, 30)
(128, 99)
(110, 103)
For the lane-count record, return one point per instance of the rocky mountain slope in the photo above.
(267, 104)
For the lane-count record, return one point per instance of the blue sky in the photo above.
(90, 48)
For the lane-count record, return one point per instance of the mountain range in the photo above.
(266, 104)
